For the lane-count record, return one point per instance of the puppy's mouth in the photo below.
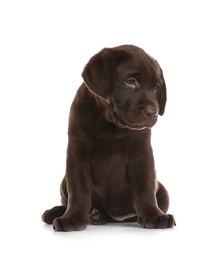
(129, 123)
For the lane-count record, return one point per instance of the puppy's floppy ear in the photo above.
(99, 72)
(162, 98)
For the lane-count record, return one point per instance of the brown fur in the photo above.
(110, 172)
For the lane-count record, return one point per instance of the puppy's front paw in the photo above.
(68, 224)
(161, 221)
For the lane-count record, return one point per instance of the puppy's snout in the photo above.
(150, 112)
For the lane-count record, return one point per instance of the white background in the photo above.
(44, 46)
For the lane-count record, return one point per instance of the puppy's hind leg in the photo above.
(162, 198)
(57, 211)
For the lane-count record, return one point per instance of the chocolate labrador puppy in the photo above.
(110, 172)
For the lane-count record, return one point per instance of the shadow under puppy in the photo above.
(110, 172)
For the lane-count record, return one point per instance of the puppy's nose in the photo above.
(150, 112)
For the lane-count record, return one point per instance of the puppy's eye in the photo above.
(131, 82)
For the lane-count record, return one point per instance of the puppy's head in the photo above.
(132, 84)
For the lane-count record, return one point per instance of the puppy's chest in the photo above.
(108, 165)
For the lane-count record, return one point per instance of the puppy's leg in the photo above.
(148, 199)
(78, 194)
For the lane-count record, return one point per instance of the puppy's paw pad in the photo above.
(98, 217)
